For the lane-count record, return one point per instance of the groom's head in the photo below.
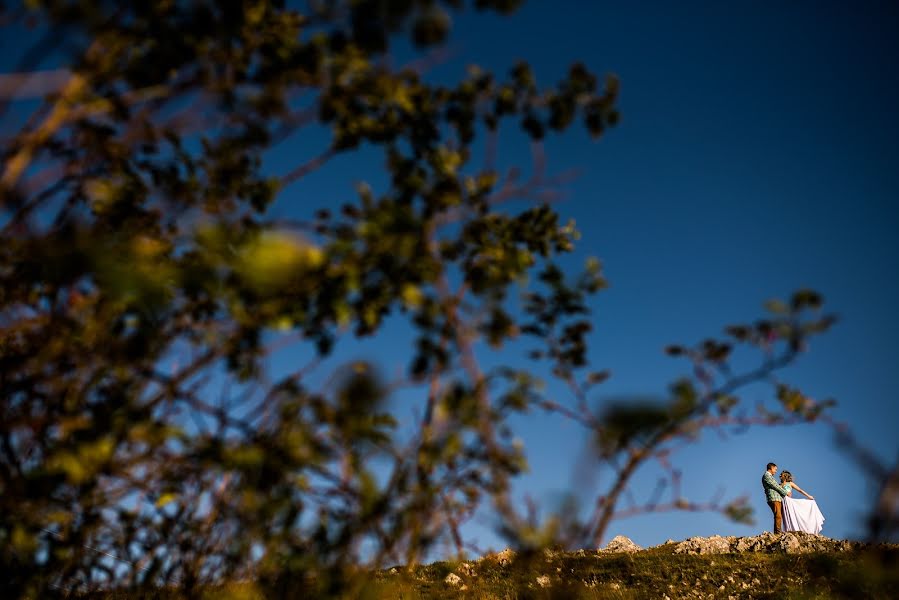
(772, 468)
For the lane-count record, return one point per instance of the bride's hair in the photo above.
(786, 476)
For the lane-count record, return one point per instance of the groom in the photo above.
(774, 493)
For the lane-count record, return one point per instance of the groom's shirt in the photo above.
(773, 491)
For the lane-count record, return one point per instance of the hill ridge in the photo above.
(766, 565)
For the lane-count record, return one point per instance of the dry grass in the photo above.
(654, 573)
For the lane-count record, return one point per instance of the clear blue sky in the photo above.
(757, 154)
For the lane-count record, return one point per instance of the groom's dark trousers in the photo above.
(776, 508)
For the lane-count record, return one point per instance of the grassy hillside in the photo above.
(765, 566)
(656, 573)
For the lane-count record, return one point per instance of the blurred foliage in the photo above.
(141, 269)
(144, 283)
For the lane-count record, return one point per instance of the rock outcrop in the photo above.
(699, 545)
(621, 543)
(504, 557)
(791, 542)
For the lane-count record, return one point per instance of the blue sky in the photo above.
(757, 154)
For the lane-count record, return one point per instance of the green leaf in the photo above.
(777, 307)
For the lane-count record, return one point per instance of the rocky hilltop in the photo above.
(761, 566)
(792, 542)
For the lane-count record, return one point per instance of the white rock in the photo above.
(699, 545)
(505, 557)
(621, 543)
(453, 579)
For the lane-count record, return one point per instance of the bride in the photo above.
(798, 514)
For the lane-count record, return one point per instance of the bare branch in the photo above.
(34, 84)
(308, 167)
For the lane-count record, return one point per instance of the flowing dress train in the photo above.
(802, 515)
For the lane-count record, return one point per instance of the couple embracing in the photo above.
(792, 514)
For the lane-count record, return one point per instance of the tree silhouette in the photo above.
(140, 264)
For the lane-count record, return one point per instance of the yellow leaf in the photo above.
(411, 295)
(275, 257)
(102, 194)
(245, 456)
(166, 499)
(243, 590)
(398, 94)
(448, 161)
(68, 425)
(284, 324)
(361, 367)
(342, 313)
(60, 517)
(255, 13)
(145, 246)
(98, 452)
(70, 465)
(22, 542)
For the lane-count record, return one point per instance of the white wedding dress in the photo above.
(801, 515)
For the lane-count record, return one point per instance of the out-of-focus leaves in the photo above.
(725, 402)
(739, 511)
(684, 399)
(628, 421)
(82, 462)
(715, 351)
(777, 307)
(805, 299)
(597, 377)
(739, 332)
(140, 311)
(792, 399)
(274, 259)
